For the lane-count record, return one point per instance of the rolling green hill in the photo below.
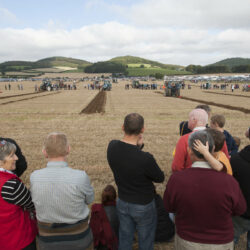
(232, 62)
(137, 61)
(44, 63)
(62, 62)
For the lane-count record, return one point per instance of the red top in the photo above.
(204, 202)
(17, 229)
(181, 158)
(101, 228)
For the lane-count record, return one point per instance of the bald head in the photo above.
(197, 118)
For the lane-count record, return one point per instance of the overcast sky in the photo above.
(169, 31)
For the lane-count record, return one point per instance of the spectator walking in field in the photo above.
(203, 201)
(17, 223)
(134, 172)
(218, 122)
(184, 129)
(241, 171)
(61, 196)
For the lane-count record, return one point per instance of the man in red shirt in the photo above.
(204, 201)
(198, 119)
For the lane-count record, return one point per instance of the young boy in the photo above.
(217, 159)
(218, 123)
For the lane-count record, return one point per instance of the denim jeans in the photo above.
(140, 218)
(241, 226)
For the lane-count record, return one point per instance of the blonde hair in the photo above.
(56, 145)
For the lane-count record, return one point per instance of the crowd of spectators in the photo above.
(206, 203)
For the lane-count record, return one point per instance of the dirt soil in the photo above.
(97, 105)
(24, 99)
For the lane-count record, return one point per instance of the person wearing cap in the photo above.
(17, 221)
(240, 163)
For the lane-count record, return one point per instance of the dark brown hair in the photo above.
(205, 107)
(108, 194)
(133, 124)
(219, 139)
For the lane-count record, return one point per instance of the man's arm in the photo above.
(153, 171)
(239, 202)
(168, 197)
(88, 190)
(15, 192)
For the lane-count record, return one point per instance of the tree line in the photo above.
(198, 69)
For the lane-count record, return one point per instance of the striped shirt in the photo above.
(14, 192)
(61, 194)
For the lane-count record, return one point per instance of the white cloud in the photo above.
(192, 14)
(104, 41)
(7, 17)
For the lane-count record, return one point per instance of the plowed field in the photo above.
(89, 132)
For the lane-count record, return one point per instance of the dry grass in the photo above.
(28, 122)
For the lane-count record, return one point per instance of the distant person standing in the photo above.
(232, 87)
(134, 172)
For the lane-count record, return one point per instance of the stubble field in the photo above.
(29, 118)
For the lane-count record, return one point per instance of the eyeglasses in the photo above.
(2, 143)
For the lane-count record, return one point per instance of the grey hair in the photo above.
(6, 149)
(204, 137)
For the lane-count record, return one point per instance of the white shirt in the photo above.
(61, 194)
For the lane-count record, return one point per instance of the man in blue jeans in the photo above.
(134, 172)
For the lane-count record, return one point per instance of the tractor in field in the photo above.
(246, 87)
(136, 84)
(107, 86)
(46, 86)
(172, 88)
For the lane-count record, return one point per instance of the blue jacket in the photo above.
(231, 145)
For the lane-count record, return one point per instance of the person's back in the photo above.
(203, 201)
(104, 221)
(54, 193)
(241, 171)
(197, 121)
(61, 196)
(134, 172)
(204, 204)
